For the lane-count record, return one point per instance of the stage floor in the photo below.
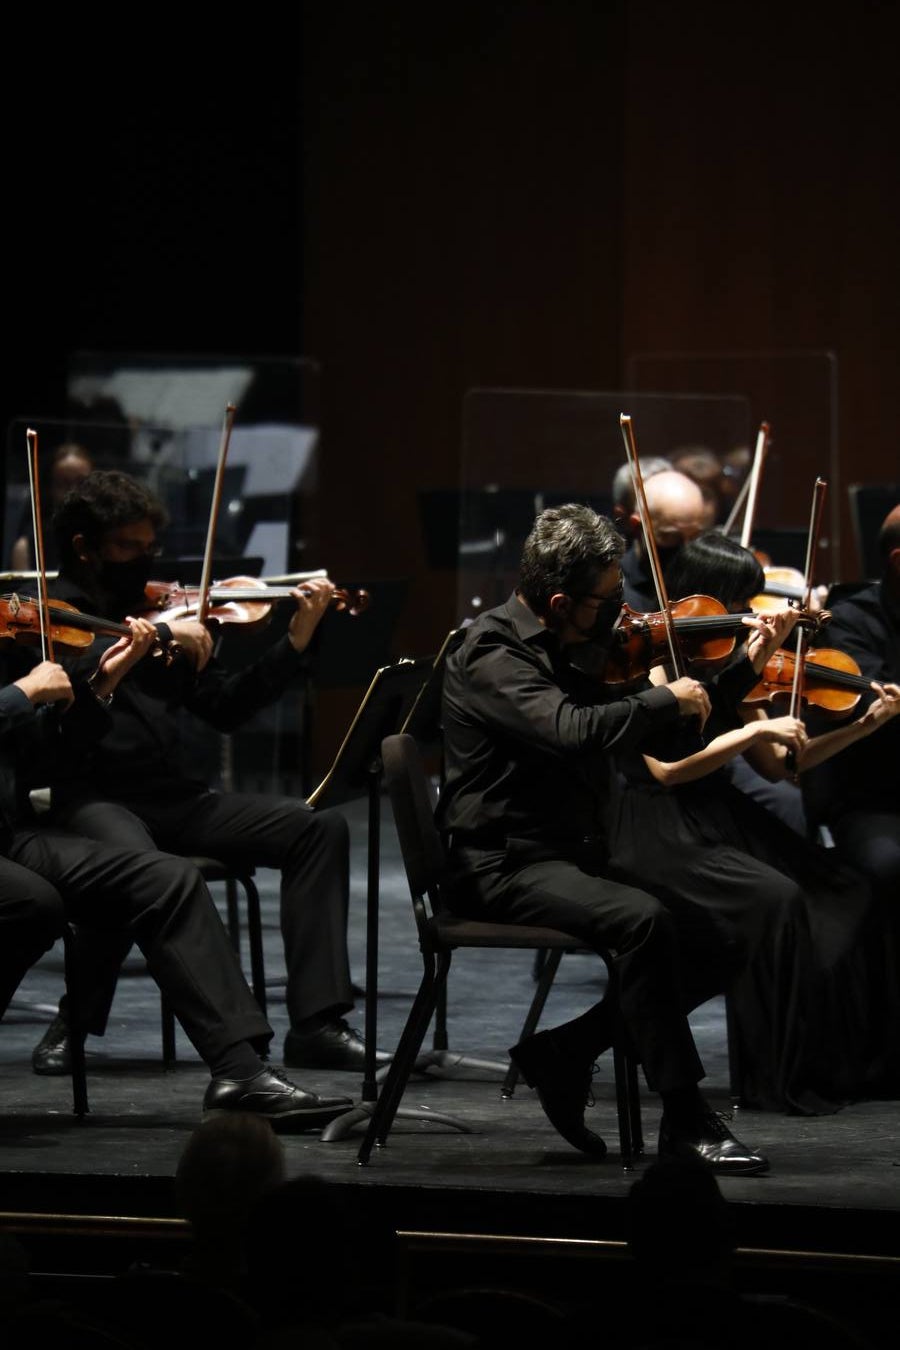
(833, 1189)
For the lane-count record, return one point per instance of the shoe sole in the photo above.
(45, 1071)
(310, 1119)
(729, 1170)
(723, 1168)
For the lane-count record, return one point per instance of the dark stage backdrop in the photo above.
(424, 198)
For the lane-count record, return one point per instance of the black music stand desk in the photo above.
(357, 771)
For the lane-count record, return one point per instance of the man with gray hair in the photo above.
(677, 514)
(623, 489)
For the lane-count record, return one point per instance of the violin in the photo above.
(783, 584)
(706, 632)
(242, 600)
(832, 681)
(20, 621)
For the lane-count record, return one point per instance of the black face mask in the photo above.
(124, 583)
(590, 656)
(598, 633)
(605, 616)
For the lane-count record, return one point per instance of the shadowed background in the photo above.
(424, 199)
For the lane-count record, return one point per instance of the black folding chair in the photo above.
(440, 933)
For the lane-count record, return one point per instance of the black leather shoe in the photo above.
(53, 1053)
(563, 1088)
(332, 1046)
(710, 1139)
(272, 1095)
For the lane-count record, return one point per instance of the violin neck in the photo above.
(834, 675)
(728, 623)
(709, 623)
(262, 594)
(86, 623)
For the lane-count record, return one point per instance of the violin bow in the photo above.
(206, 574)
(650, 542)
(31, 439)
(812, 544)
(753, 481)
(737, 507)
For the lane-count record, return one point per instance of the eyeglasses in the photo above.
(614, 597)
(134, 548)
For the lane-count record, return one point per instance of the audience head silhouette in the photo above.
(227, 1164)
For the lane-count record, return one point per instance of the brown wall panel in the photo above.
(431, 197)
(463, 192)
(762, 213)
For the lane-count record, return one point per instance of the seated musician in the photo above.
(136, 790)
(678, 513)
(858, 798)
(622, 492)
(814, 1009)
(48, 874)
(529, 743)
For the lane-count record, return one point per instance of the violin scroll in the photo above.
(29, 622)
(353, 601)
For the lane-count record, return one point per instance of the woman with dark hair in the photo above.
(815, 1013)
(738, 575)
(716, 559)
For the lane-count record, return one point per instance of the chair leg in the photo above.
(634, 1103)
(441, 1057)
(255, 937)
(439, 1038)
(167, 1018)
(540, 958)
(625, 1070)
(628, 1105)
(233, 919)
(548, 968)
(404, 1056)
(734, 1055)
(76, 1036)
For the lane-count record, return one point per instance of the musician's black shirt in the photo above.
(143, 754)
(865, 625)
(529, 740)
(38, 743)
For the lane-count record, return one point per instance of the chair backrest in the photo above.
(413, 802)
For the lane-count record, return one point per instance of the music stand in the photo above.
(356, 771)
